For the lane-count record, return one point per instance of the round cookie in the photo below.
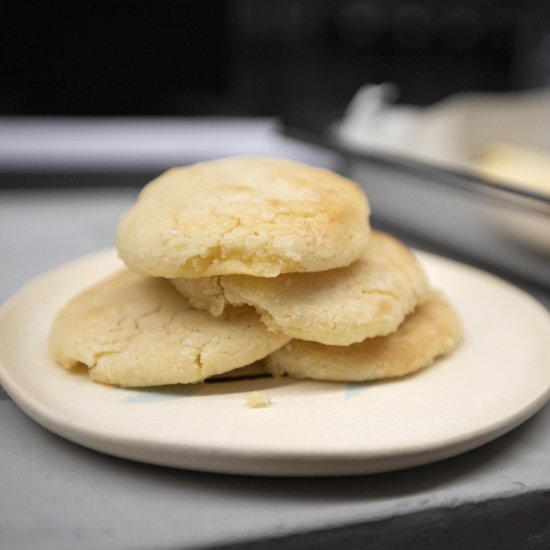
(255, 216)
(132, 330)
(368, 298)
(432, 330)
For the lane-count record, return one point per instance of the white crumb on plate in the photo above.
(257, 400)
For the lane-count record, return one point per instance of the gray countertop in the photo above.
(55, 494)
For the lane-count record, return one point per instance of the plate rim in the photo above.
(232, 457)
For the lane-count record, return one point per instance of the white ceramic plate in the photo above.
(497, 379)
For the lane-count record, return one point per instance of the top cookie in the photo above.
(253, 216)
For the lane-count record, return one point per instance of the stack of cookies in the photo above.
(240, 260)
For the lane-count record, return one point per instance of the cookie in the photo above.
(254, 216)
(368, 298)
(132, 330)
(431, 331)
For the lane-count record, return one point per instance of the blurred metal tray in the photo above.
(499, 227)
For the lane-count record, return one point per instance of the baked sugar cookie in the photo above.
(368, 298)
(432, 330)
(255, 216)
(132, 330)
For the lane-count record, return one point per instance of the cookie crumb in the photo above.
(257, 400)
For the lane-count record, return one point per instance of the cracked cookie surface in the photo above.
(371, 297)
(131, 330)
(255, 216)
(431, 331)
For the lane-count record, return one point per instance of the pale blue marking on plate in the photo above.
(355, 388)
(144, 396)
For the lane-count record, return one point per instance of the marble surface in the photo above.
(58, 495)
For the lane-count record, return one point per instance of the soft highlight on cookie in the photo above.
(255, 216)
(368, 298)
(431, 331)
(132, 331)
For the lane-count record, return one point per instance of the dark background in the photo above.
(260, 57)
